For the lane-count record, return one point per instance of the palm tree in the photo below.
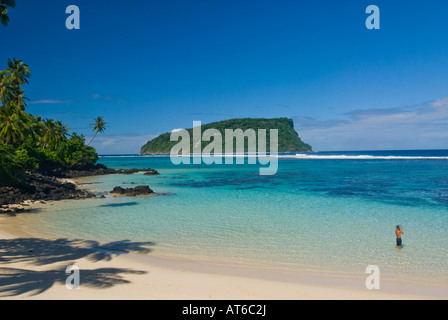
(61, 132)
(4, 4)
(18, 99)
(14, 124)
(99, 126)
(14, 121)
(48, 138)
(36, 127)
(11, 79)
(18, 70)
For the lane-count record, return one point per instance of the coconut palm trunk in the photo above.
(99, 126)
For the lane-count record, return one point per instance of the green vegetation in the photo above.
(99, 126)
(4, 4)
(30, 143)
(288, 139)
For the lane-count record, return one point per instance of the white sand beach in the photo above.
(33, 267)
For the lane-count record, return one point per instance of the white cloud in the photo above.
(424, 126)
(97, 96)
(50, 101)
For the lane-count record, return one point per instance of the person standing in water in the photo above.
(398, 233)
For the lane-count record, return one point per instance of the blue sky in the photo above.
(151, 66)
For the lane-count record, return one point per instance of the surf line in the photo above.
(213, 152)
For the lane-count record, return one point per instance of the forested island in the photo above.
(288, 138)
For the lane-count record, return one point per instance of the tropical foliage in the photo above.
(29, 142)
(99, 126)
(4, 4)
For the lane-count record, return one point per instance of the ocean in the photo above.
(324, 213)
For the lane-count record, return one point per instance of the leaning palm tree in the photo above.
(4, 4)
(99, 126)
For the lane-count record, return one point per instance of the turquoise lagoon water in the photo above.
(330, 213)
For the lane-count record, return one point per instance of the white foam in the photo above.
(364, 157)
(297, 156)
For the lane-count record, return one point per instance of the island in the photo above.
(288, 139)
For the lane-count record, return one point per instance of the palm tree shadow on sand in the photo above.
(44, 252)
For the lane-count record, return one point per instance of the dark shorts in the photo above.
(398, 242)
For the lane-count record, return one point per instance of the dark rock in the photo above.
(151, 172)
(94, 170)
(143, 190)
(137, 191)
(47, 185)
(39, 187)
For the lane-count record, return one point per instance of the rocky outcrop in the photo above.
(50, 185)
(132, 192)
(151, 172)
(40, 187)
(96, 170)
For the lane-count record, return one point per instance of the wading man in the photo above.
(398, 233)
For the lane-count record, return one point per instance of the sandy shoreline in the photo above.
(135, 274)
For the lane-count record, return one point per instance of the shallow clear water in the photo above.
(324, 213)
